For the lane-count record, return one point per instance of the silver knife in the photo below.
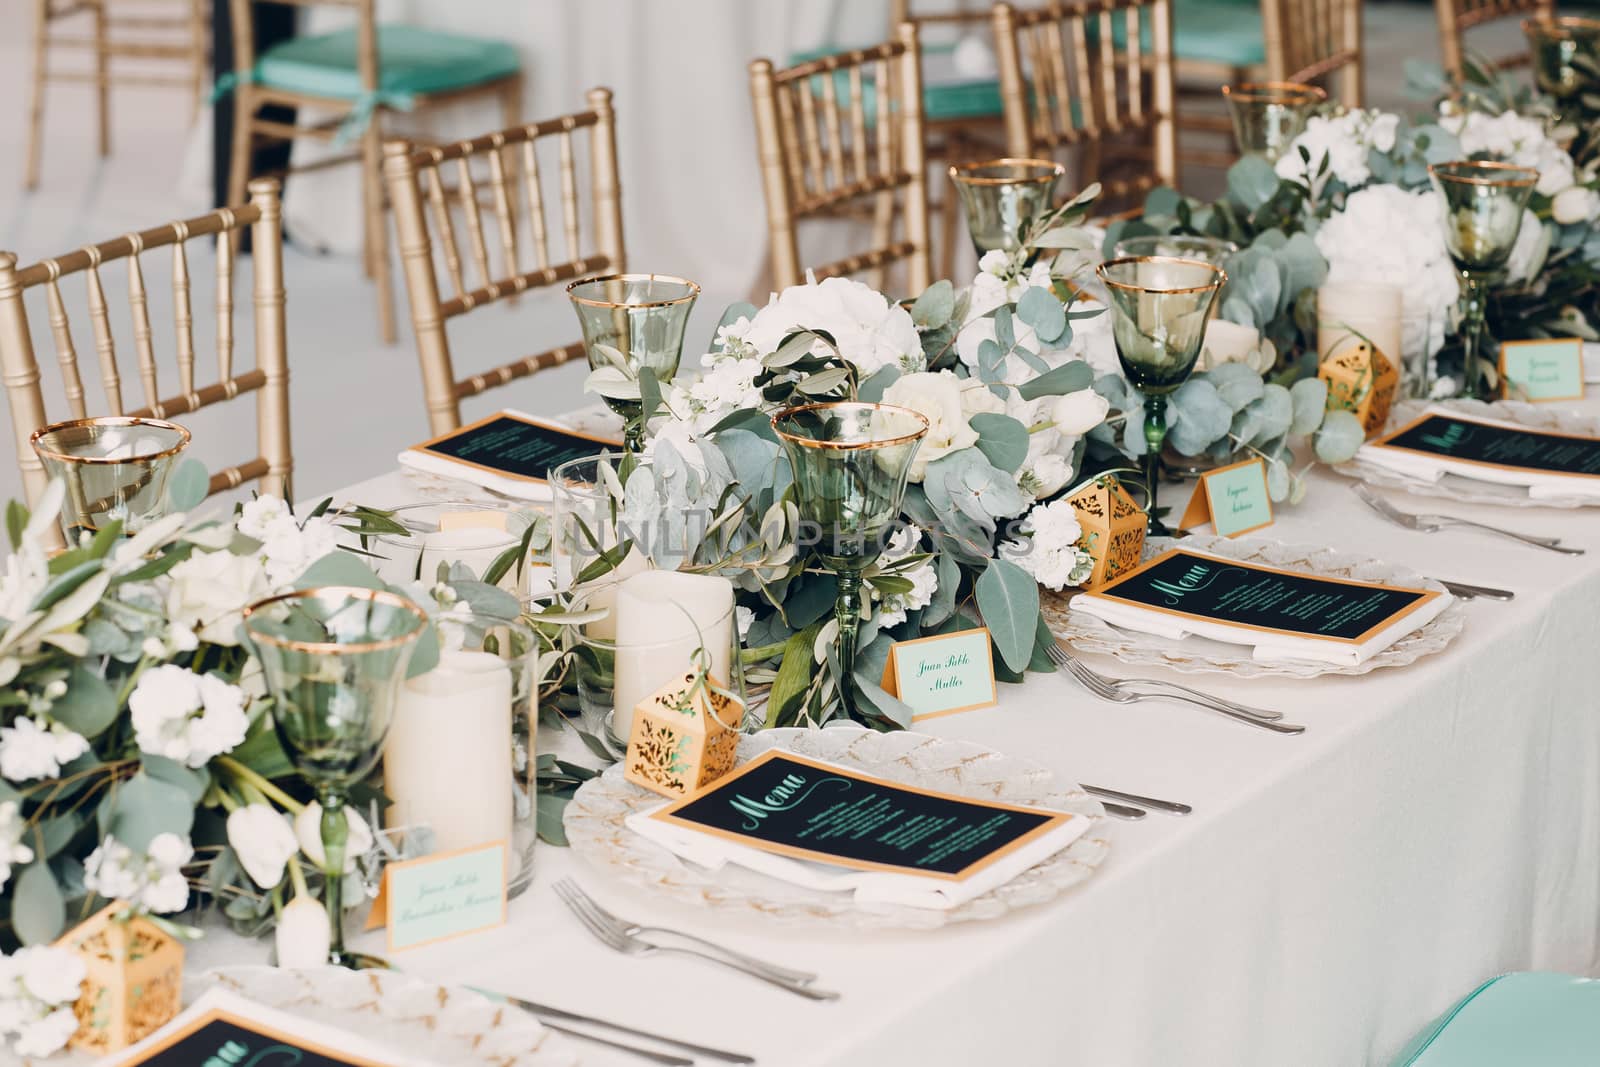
(663, 1058)
(1171, 807)
(546, 1011)
(1472, 592)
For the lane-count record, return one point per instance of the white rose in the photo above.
(1575, 204)
(871, 331)
(937, 396)
(1077, 413)
(263, 840)
(1046, 475)
(210, 589)
(308, 831)
(977, 399)
(303, 934)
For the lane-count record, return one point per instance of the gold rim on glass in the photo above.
(375, 596)
(1274, 93)
(1221, 276)
(1513, 175)
(1562, 28)
(843, 446)
(694, 290)
(1052, 171)
(110, 420)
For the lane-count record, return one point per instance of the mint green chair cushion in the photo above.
(945, 94)
(1218, 31)
(1532, 1019)
(411, 60)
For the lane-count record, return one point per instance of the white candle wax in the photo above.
(601, 594)
(662, 618)
(447, 763)
(1346, 309)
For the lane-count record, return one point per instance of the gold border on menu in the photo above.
(1577, 344)
(427, 446)
(1053, 820)
(1424, 596)
(220, 1014)
(1384, 442)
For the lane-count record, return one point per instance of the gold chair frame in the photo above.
(249, 129)
(268, 379)
(1456, 17)
(103, 46)
(1311, 40)
(413, 176)
(809, 171)
(1116, 92)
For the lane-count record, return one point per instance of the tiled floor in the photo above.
(355, 401)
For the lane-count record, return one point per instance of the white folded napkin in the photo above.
(869, 887)
(1425, 468)
(1591, 363)
(1265, 647)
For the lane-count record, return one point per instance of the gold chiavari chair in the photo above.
(1456, 17)
(159, 30)
(417, 176)
(1311, 40)
(1095, 76)
(356, 76)
(841, 132)
(268, 379)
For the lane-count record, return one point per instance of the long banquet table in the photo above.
(1435, 825)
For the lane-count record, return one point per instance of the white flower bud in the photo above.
(308, 831)
(1077, 413)
(303, 934)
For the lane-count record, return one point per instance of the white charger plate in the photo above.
(1199, 655)
(1550, 416)
(597, 831)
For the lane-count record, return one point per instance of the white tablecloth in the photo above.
(1435, 825)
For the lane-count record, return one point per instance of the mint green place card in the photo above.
(443, 896)
(1233, 498)
(943, 674)
(1543, 370)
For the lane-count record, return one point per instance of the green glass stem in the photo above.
(847, 609)
(633, 436)
(1155, 436)
(1474, 330)
(335, 833)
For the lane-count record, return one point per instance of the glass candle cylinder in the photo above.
(474, 533)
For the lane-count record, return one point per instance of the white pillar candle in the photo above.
(447, 763)
(601, 594)
(662, 618)
(1346, 309)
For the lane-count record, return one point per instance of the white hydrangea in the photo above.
(38, 986)
(1044, 475)
(727, 384)
(1393, 237)
(151, 881)
(1049, 548)
(871, 331)
(288, 546)
(924, 578)
(1344, 139)
(12, 850)
(32, 748)
(1514, 138)
(186, 716)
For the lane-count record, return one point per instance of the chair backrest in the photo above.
(268, 379)
(842, 132)
(1088, 74)
(1456, 17)
(415, 175)
(244, 38)
(1310, 40)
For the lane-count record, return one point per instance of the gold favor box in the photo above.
(1363, 380)
(134, 984)
(1113, 528)
(684, 736)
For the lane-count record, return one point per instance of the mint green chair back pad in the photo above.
(970, 99)
(1530, 1019)
(1219, 31)
(410, 60)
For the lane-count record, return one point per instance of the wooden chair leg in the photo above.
(102, 66)
(30, 167)
(377, 243)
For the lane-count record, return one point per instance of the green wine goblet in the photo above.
(1001, 196)
(1483, 205)
(334, 658)
(638, 319)
(850, 463)
(1159, 309)
(115, 469)
(1268, 116)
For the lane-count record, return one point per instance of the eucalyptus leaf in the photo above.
(1008, 596)
(143, 807)
(1310, 399)
(191, 780)
(1002, 439)
(550, 818)
(871, 391)
(1340, 436)
(1067, 378)
(1039, 308)
(1252, 182)
(188, 485)
(339, 568)
(1197, 416)
(1236, 383)
(935, 306)
(89, 705)
(38, 909)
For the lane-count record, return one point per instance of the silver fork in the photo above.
(1432, 523)
(1112, 689)
(582, 906)
(1062, 659)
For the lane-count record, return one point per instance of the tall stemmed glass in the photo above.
(1483, 205)
(1206, 249)
(637, 319)
(334, 658)
(115, 470)
(850, 464)
(1267, 116)
(1000, 195)
(1159, 309)
(1565, 52)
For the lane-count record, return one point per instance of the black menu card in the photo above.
(792, 806)
(514, 445)
(1253, 597)
(219, 1037)
(1470, 441)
